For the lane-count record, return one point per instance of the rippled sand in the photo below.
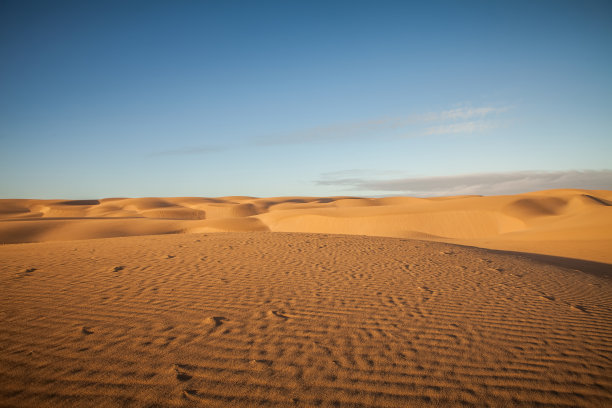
(297, 319)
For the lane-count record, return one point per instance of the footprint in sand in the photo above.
(26, 272)
(183, 376)
(181, 372)
(261, 361)
(548, 297)
(216, 320)
(188, 393)
(426, 289)
(277, 313)
(580, 308)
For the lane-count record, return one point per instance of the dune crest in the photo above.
(574, 223)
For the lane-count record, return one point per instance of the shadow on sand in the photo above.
(599, 269)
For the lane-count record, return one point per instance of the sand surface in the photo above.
(568, 223)
(255, 319)
(94, 313)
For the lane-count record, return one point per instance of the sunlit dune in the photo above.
(302, 301)
(568, 223)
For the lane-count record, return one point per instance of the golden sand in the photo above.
(568, 223)
(260, 318)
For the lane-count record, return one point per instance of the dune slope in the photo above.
(284, 319)
(568, 223)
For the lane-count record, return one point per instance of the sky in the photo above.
(283, 98)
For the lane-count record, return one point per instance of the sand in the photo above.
(307, 301)
(574, 224)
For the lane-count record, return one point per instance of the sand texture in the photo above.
(297, 319)
(301, 301)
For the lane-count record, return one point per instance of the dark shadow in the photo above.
(183, 377)
(74, 218)
(219, 320)
(598, 200)
(599, 269)
(79, 202)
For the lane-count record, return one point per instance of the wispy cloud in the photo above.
(186, 151)
(352, 130)
(463, 113)
(463, 120)
(479, 183)
(466, 119)
(349, 173)
(460, 127)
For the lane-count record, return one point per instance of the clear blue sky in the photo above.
(213, 98)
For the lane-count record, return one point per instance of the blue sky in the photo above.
(197, 98)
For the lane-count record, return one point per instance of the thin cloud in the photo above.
(461, 127)
(465, 113)
(353, 130)
(187, 151)
(358, 173)
(465, 120)
(460, 120)
(480, 183)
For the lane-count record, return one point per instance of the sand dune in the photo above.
(307, 301)
(286, 319)
(570, 223)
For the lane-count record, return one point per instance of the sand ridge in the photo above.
(570, 223)
(297, 319)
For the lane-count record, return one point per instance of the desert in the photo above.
(305, 204)
(308, 301)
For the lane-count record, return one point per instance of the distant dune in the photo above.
(568, 223)
(307, 302)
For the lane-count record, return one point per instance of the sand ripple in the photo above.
(280, 319)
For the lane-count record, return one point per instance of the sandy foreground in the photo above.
(307, 301)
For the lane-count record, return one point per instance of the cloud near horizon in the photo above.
(479, 183)
(466, 120)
